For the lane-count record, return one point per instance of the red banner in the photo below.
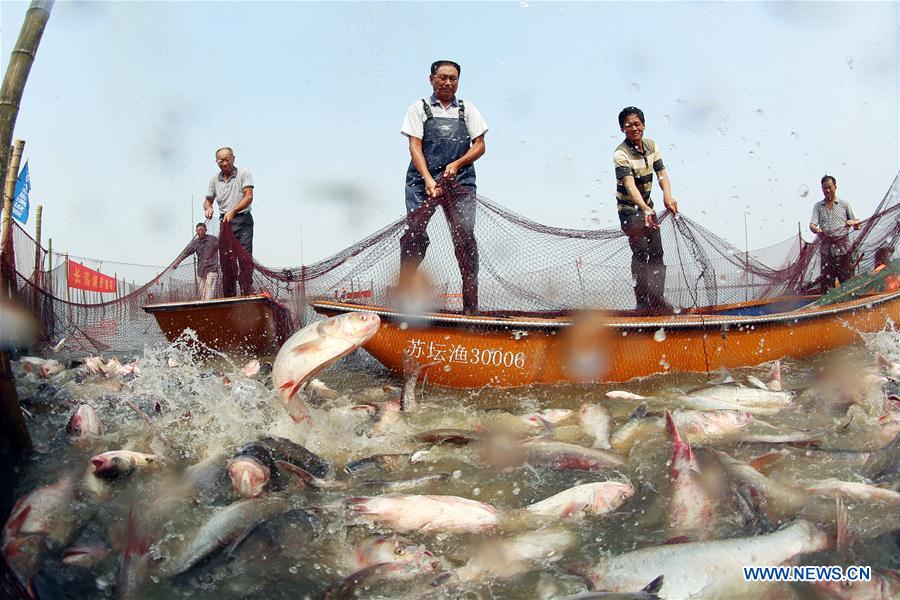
(83, 278)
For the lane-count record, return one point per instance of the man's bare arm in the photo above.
(476, 151)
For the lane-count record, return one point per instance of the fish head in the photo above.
(249, 477)
(84, 423)
(389, 548)
(251, 369)
(621, 491)
(355, 328)
(112, 465)
(51, 367)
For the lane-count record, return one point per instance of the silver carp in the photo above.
(706, 569)
(779, 502)
(596, 423)
(424, 514)
(526, 552)
(84, 424)
(560, 455)
(313, 349)
(119, 463)
(228, 525)
(381, 549)
(690, 507)
(598, 498)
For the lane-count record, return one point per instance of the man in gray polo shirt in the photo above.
(232, 189)
(831, 221)
(206, 247)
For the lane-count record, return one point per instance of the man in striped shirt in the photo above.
(831, 221)
(636, 159)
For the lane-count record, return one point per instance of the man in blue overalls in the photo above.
(446, 136)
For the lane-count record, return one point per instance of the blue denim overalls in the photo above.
(443, 141)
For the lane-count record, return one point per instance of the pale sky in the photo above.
(751, 103)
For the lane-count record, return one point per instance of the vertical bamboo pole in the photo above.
(116, 277)
(50, 266)
(38, 214)
(9, 188)
(69, 328)
(10, 97)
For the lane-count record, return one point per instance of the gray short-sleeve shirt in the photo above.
(833, 221)
(227, 194)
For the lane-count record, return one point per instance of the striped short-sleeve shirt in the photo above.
(629, 160)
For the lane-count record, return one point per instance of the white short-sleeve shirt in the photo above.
(414, 122)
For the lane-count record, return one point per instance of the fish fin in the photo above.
(679, 539)
(305, 476)
(569, 510)
(639, 413)
(723, 376)
(755, 382)
(298, 411)
(842, 538)
(774, 377)
(676, 437)
(229, 552)
(13, 526)
(135, 545)
(652, 588)
(310, 346)
(762, 462)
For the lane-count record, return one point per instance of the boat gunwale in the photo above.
(211, 303)
(687, 321)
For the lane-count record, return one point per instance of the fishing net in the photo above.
(525, 267)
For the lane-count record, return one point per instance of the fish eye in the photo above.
(399, 551)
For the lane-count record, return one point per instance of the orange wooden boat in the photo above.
(518, 350)
(249, 324)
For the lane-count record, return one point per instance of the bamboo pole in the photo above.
(10, 98)
(69, 328)
(11, 161)
(50, 266)
(38, 215)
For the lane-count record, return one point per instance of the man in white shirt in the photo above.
(446, 136)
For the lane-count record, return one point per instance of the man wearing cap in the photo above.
(636, 159)
(232, 189)
(446, 136)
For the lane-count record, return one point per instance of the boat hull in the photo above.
(245, 325)
(473, 352)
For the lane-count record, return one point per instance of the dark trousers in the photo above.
(838, 266)
(647, 265)
(236, 255)
(460, 213)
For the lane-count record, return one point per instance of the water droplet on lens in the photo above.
(667, 119)
(634, 88)
(759, 112)
(803, 191)
(660, 335)
(795, 135)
